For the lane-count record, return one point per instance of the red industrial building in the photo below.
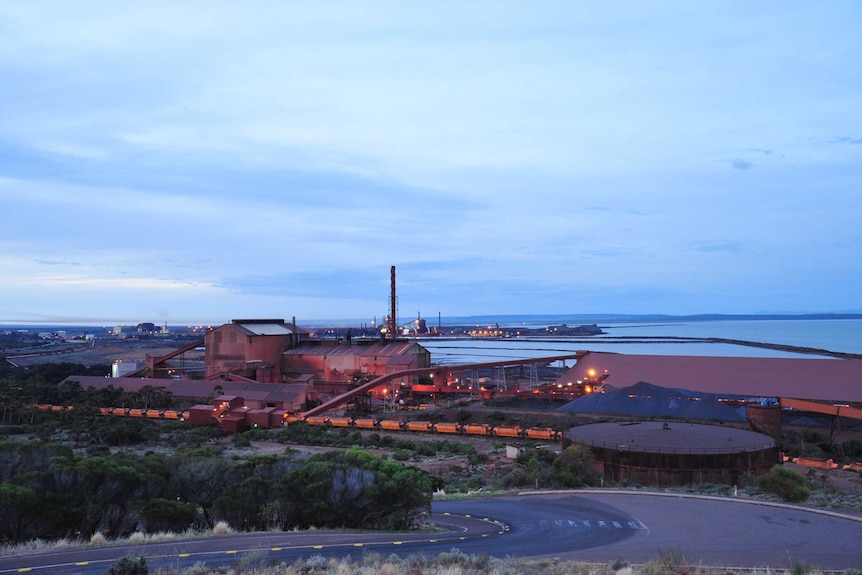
(813, 379)
(250, 348)
(272, 351)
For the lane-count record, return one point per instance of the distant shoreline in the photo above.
(569, 319)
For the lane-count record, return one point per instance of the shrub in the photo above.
(98, 538)
(241, 440)
(787, 484)
(575, 466)
(166, 515)
(129, 566)
(222, 528)
(463, 416)
(496, 417)
(401, 455)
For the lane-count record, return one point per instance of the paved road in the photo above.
(588, 526)
(709, 531)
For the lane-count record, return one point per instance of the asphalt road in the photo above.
(588, 526)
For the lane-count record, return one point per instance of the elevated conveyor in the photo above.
(438, 371)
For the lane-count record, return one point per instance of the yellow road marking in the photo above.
(81, 563)
(276, 549)
(184, 555)
(357, 544)
(232, 552)
(318, 547)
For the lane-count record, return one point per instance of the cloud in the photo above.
(740, 164)
(734, 246)
(846, 140)
(50, 262)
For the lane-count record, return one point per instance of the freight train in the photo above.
(482, 429)
(445, 428)
(123, 412)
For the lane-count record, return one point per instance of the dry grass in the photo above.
(99, 540)
(455, 562)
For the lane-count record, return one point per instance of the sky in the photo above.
(196, 162)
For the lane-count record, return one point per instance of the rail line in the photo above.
(358, 423)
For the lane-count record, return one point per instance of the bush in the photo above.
(496, 417)
(463, 416)
(166, 515)
(575, 466)
(787, 484)
(401, 455)
(241, 440)
(129, 566)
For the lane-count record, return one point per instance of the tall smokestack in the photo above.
(392, 321)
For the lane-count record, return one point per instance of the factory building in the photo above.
(250, 348)
(273, 351)
(334, 367)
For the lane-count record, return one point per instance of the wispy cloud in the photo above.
(733, 246)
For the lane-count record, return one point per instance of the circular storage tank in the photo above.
(672, 453)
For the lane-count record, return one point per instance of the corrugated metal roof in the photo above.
(801, 378)
(392, 349)
(266, 328)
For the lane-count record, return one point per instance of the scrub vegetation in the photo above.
(77, 478)
(454, 562)
(47, 491)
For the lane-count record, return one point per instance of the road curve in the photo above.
(717, 531)
(582, 525)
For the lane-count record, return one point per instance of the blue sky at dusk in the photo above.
(202, 161)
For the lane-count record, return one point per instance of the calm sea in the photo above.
(840, 335)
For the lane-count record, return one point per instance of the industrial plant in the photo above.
(266, 373)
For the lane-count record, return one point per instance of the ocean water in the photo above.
(838, 335)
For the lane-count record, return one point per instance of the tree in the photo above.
(575, 466)
(17, 506)
(199, 479)
(165, 515)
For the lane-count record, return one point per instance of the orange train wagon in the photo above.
(514, 431)
(317, 420)
(390, 425)
(542, 433)
(447, 427)
(477, 429)
(418, 425)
